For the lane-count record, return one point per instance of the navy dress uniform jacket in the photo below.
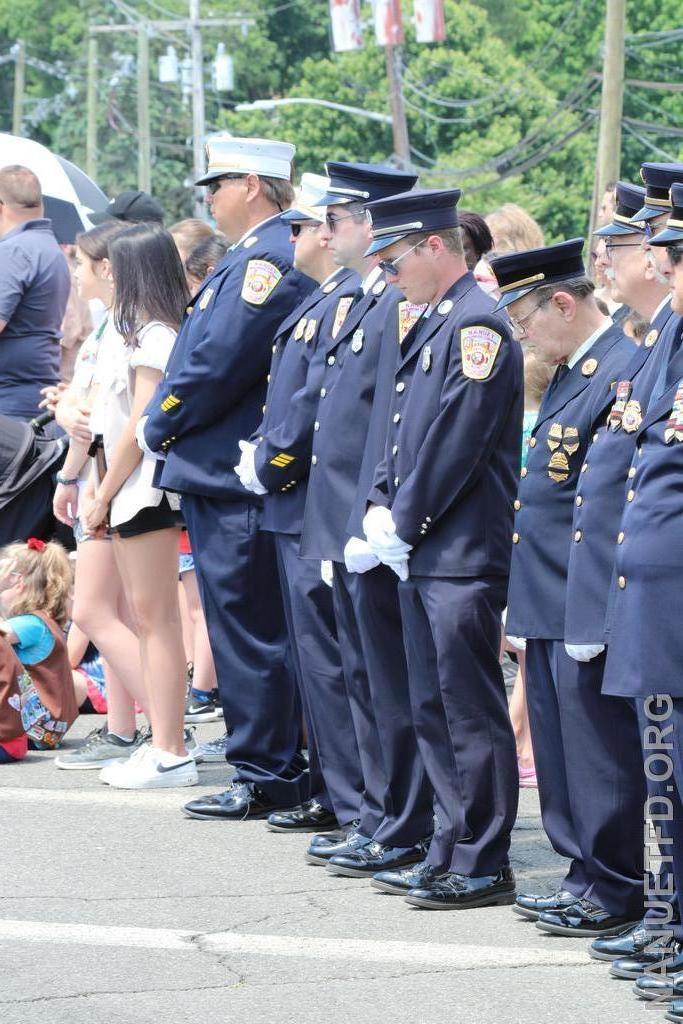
(646, 645)
(452, 453)
(283, 456)
(601, 492)
(346, 396)
(545, 502)
(215, 383)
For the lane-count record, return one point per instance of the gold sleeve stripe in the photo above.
(282, 460)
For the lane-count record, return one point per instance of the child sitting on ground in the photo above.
(13, 739)
(35, 593)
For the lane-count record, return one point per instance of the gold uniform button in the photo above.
(331, 361)
(263, 408)
(268, 379)
(595, 437)
(579, 500)
(577, 536)
(630, 496)
(314, 459)
(584, 467)
(639, 449)
(631, 472)
(517, 504)
(323, 392)
(274, 349)
(622, 582)
(394, 450)
(532, 442)
(524, 471)
(620, 538)
(397, 417)
(400, 387)
(515, 538)
(316, 425)
(396, 481)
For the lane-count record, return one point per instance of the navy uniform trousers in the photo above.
(336, 780)
(578, 737)
(249, 642)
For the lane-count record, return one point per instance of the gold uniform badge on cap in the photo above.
(260, 279)
(408, 315)
(589, 367)
(478, 350)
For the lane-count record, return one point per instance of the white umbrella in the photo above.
(69, 194)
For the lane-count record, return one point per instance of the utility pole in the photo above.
(91, 110)
(144, 140)
(608, 161)
(19, 51)
(399, 123)
(198, 112)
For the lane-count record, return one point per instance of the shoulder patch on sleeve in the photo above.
(408, 315)
(260, 279)
(478, 349)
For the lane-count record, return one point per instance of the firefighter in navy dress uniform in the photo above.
(440, 517)
(551, 304)
(211, 398)
(276, 462)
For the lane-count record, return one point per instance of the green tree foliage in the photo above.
(507, 108)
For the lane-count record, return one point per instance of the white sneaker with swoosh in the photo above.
(150, 768)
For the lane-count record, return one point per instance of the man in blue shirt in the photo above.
(34, 288)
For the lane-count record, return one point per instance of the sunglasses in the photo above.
(392, 266)
(332, 220)
(214, 186)
(675, 254)
(296, 229)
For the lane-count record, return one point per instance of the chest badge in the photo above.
(357, 340)
(426, 359)
(650, 338)
(341, 312)
(589, 367)
(299, 329)
(206, 298)
(674, 426)
(309, 333)
(624, 388)
(633, 416)
(563, 442)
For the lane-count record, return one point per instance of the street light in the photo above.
(371, 115)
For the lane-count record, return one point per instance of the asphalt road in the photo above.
(116, 908)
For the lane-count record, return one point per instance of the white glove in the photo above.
(584, 652)
(380, 530)
(358, 557)
(327, 572)
(245, 469)
(518, 642)
(399, 566)
(140, 439)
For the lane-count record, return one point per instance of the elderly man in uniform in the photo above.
(34, 290)
(212, 397)
(440, 517)
(273, 464)
(645, 655)
(395, 814)
(551, 304)
(599, 503)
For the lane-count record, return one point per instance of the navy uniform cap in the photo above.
(363, 183)
(518, 273)
(412, 213)
(672, 234)
(658, 179)
(630, 199)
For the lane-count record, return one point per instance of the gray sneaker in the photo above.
(212, 752)
(99, 749)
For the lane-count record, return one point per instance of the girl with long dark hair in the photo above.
(150, 295)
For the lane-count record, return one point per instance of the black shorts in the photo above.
(154, 517)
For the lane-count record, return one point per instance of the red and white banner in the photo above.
(430, 22)
(346, 27)
(388, 22)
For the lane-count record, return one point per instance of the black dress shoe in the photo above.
(675, 1013)
(663, 952)
(374, 857)
(333, 838)
(309, 817)
(532, 906)
(399, 883)
(319, 854)
(460, 892)
(628, 942)
(240, 801)
(659, 986)
(582, 919)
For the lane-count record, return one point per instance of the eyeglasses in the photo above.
(331, 220)
(519, 324)
(296, 229)
(392, 266)
(675, 254)
(213, 186)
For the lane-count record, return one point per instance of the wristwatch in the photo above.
(64, 481)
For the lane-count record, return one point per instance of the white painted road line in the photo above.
(439, 954)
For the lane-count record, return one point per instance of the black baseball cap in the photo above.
(133, 206)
